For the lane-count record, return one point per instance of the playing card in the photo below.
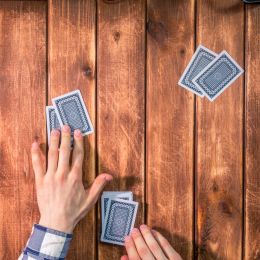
(106, 196)
(218, 75)
(200, 59)
(71, 110)
(52, 120)
(119, 221)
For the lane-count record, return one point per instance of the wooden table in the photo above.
(192, 164)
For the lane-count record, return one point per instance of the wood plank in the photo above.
(170, 120)
(121, 101)
(22, 99)
(220, 139)
(252, 178)
(71, 47)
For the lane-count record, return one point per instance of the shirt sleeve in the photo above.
(45, 243)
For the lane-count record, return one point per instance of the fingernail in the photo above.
(35, 145)
(65, 128)
(55, 132)
(127, 239)
(135, 231)
(77, 133)
(143, 227)
(108, 178)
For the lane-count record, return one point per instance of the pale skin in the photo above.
(63, 201)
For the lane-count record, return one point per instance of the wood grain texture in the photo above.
(170, 118)
(22, 99)
(252, 127)
(71, 48)
(121, 99)
(219, 162)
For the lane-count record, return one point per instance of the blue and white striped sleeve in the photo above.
(46, 244)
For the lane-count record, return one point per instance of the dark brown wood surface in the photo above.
(22, 101)
(191, 164)
(170, 119)
(252, 128)
(71, 65)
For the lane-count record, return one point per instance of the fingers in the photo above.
(142, 249)
(37, 162)
(64, 155)
(53, 153)
(152, 243)
(131, 249)
(78, 153)
(96, 188)
(165, 245)
(124, 257)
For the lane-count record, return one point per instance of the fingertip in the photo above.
(127, 239)
(77, 133)
(124, 257)
(144, 227)
(35, 145)
(55, 132)
(107, 177)
(65, 129)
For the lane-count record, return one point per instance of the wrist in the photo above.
(59, 225)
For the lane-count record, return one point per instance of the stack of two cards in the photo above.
(118, 212)
(68, 109)
(210, 74)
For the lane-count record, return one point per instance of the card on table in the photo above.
(200, 59)
(52, 120)
(119, 221)
(107, 195)
(71, 110)
(218, 75)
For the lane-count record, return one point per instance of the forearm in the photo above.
(45, 243)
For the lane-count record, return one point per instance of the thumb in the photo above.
(96, 188)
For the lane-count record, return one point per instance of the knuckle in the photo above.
(75, 176)
(64, 148)
(77, 168)
(60, 176)
(144, 252)
(53, 150)
(154, 247)
(79, 150)
(165, 243)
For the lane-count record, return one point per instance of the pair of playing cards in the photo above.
(118, 213)
(209, 74)
(68, 109)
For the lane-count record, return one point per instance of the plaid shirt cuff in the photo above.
(45, 243)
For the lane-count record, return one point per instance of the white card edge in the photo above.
(47, 108)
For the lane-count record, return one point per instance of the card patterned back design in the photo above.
(71, 110)
(119, 221)
(218, 75)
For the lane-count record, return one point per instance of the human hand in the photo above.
(61, 196)
(148, 244)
